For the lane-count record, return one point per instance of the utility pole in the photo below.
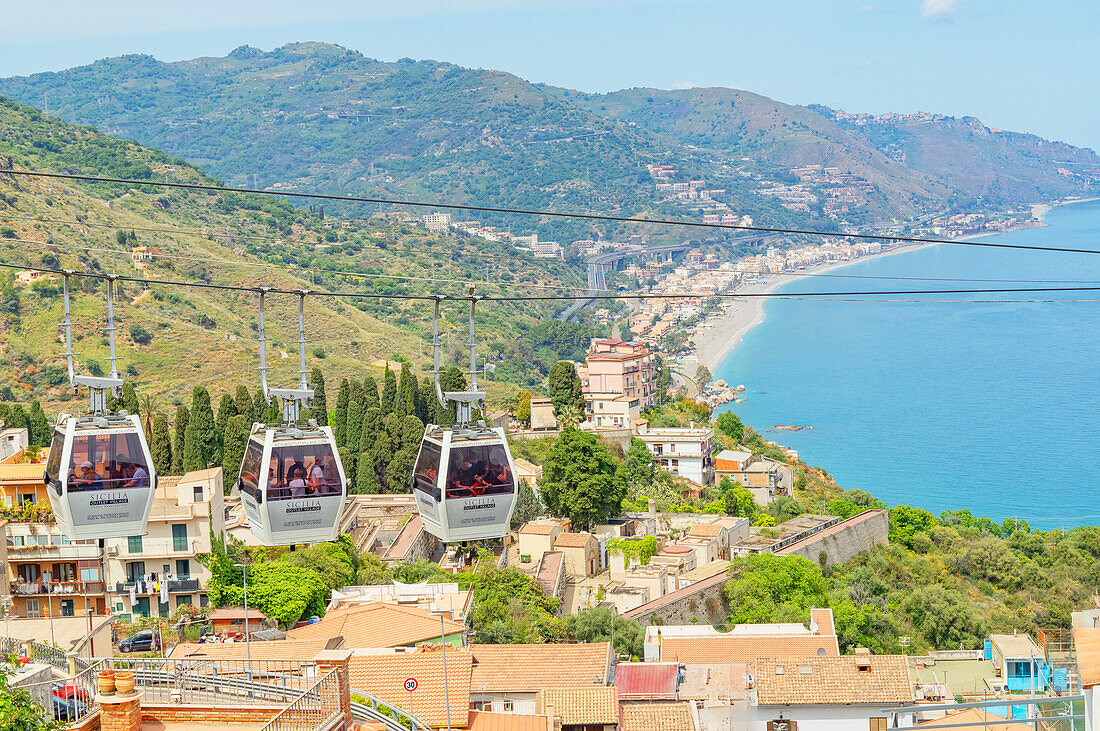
(247, 635)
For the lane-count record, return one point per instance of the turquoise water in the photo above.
(989, 407)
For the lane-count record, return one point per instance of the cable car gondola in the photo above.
(464, 478)
(99, 473)
(291, 481)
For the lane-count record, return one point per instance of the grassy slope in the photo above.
(183, 353)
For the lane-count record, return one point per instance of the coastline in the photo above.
(716, 337)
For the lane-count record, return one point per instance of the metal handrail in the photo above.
(72, 709)
(314, 709)
(376, 709)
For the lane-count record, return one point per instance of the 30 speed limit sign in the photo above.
(410, 684)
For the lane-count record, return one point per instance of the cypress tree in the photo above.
(354, 427)
(236, 439)
(370, 392)
(383, 453)
(183, 416)
(200, 440)
(38, 426)
(227, 409)
(427, 406)
(348, 460)
(340, 413)
(399, 471)
(389, 391)
(160, 445)
(404, 400)
(320, 401)
(372, 427)
(451, 379)
(365, 481)
(259, 406)
(412, 432)
(17, 418)
(129, 399)
(273, 412)
(243, 401)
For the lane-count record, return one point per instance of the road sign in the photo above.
(410, 684)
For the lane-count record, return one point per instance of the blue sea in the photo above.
(988, 407)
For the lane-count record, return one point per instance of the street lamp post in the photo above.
(247, 636)
(446, 692)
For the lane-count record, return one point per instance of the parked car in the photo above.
(143, 641)
(66, 691)
(68, 710)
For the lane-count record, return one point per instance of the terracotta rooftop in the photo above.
(573, 540)
(989, 721)
(290, 650)
(516, 668)
(1086, 641)
(374, 624)
(538, 529)
(706, 530)
(745, 648)
(664, 716)
(226, 614)
(580, 706)
(384, 675)
(792, 681)
(486, 721)
(22, 473)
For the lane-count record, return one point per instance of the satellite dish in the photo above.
(813, 627)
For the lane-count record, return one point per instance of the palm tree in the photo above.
(570, 416)
(148, 405)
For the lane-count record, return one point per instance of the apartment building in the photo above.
(622, 380)
(683, 451)
(437, 222)
(156, 573)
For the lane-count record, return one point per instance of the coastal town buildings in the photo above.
(683, 451)
(157, 573)
(621, 382)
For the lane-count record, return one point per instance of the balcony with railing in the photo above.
(146, 588)
(58, 588)
(52, 552)
(158, 548)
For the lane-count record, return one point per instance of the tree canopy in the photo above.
(580, 480)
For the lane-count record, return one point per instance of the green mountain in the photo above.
(321, 117)
(206, 336)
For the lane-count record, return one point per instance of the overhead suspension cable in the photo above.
(363, 275)
(549, 214)
(555, 297)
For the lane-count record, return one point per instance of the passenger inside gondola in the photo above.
(107, 462)
(478, 470)
(302, 472)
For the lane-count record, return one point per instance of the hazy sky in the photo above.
(1022, 65)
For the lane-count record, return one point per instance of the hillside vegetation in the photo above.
(191, 336)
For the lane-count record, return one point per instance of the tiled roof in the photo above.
(745, 648)
(823, 618)
(516, 668)
(573, 540)
(1086, 641)
(374, 624)
(486, 721)
(580, 705)
(989, 721)
(290, 650)
(646, 680)
(385, 675)
(537, 529)
(231, 613)
(22, 473)
(788, 681)
(705, 529)
(666, 716)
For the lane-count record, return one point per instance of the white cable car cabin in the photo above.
(464, 480)
(292, 485)
(464, 483)
(292, 482)
(100, 476)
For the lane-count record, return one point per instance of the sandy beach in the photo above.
(719, 335)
